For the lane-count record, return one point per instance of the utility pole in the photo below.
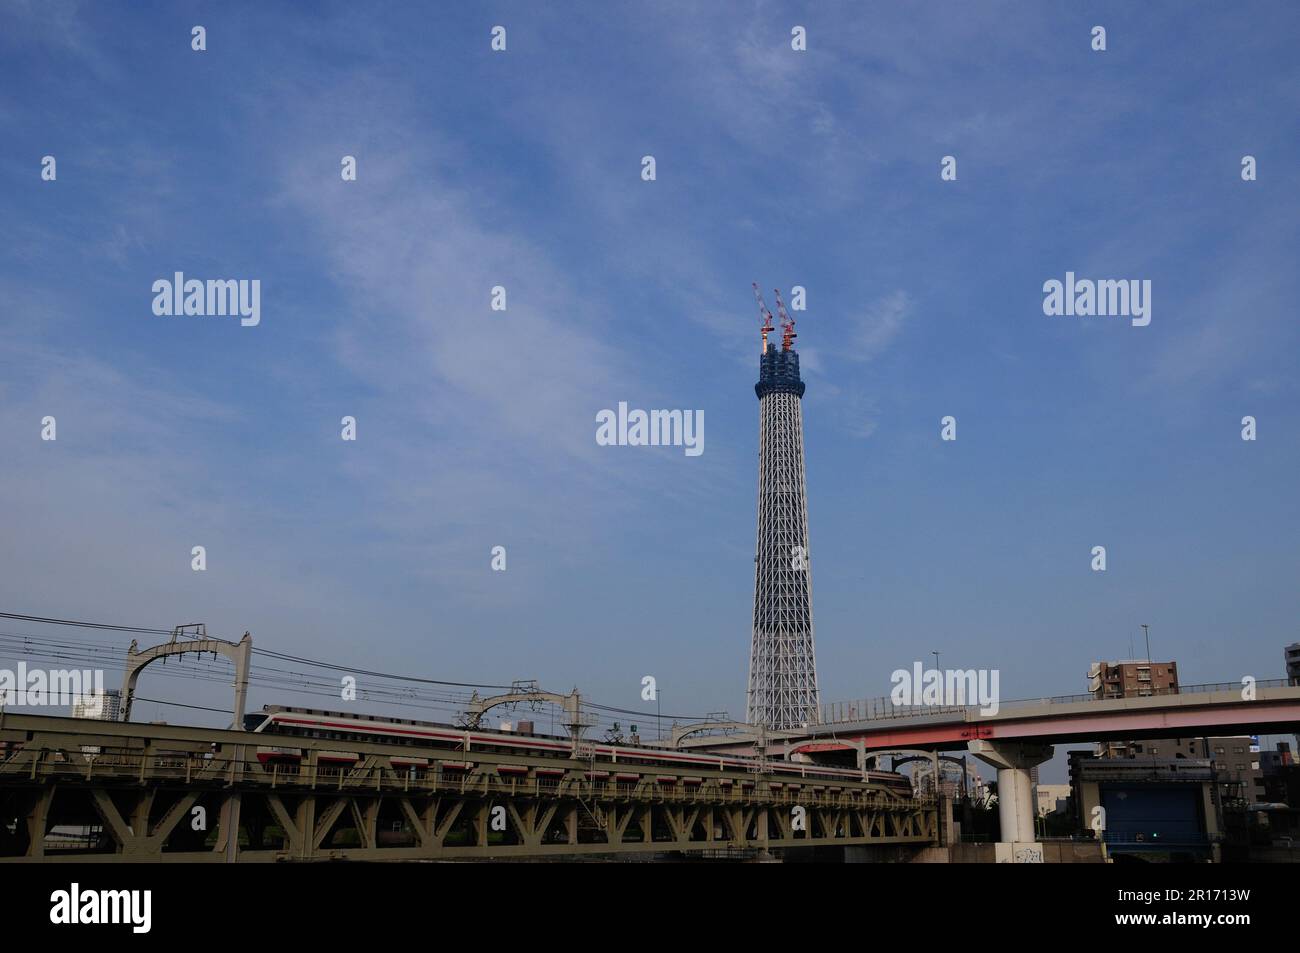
(1146, 631)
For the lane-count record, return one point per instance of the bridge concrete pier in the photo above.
(1013, 759)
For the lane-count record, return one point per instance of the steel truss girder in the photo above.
(534, 828)
(139, 786)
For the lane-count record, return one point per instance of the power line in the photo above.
(83, 625)
(280, 655)
(182, 668)
(279, 681)
(352, 670)
(159, 701)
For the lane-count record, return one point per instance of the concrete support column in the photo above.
(228, 832)
(947, 830)
(1013, 759)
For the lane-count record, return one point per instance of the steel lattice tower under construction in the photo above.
(782, 660)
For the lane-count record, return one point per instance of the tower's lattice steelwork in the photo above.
(782, 661)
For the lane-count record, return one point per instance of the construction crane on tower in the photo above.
(787, 323)
(763, 313)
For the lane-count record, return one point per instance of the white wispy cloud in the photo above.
(879, 326)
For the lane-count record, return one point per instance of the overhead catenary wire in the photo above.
(291, 681)
(271, 679)
(159, 701)
(280, 681)
(85, 625)
(257, 651)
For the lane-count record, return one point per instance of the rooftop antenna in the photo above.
(787, 323)
(763, 313)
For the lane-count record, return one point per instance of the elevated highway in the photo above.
(1218, 709)
(1022, 734)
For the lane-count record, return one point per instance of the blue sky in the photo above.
(476, 428)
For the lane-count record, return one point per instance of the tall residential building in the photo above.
(782, 662)
(1132, 677)
(105, 707)
(1293, 663)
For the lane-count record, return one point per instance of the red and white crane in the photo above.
(787, 323)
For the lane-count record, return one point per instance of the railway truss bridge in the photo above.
(119, 791)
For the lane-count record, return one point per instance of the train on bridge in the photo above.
(303, 784)
(286, 723)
